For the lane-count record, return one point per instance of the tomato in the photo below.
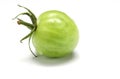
(55, 33)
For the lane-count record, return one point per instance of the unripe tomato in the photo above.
(56, 34)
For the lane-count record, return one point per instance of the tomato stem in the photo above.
(28, 25)
(25, 13)
(32, 26)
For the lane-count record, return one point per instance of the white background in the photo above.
(97, 55)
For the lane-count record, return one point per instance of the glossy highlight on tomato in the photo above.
(54, 34)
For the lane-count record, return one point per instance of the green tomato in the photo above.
(56, 34)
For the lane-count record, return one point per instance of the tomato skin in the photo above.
(56, 34)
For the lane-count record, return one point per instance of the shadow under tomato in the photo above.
(42, 60)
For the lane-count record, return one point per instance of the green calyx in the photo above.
(32, 26)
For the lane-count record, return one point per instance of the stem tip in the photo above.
(18, 22)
